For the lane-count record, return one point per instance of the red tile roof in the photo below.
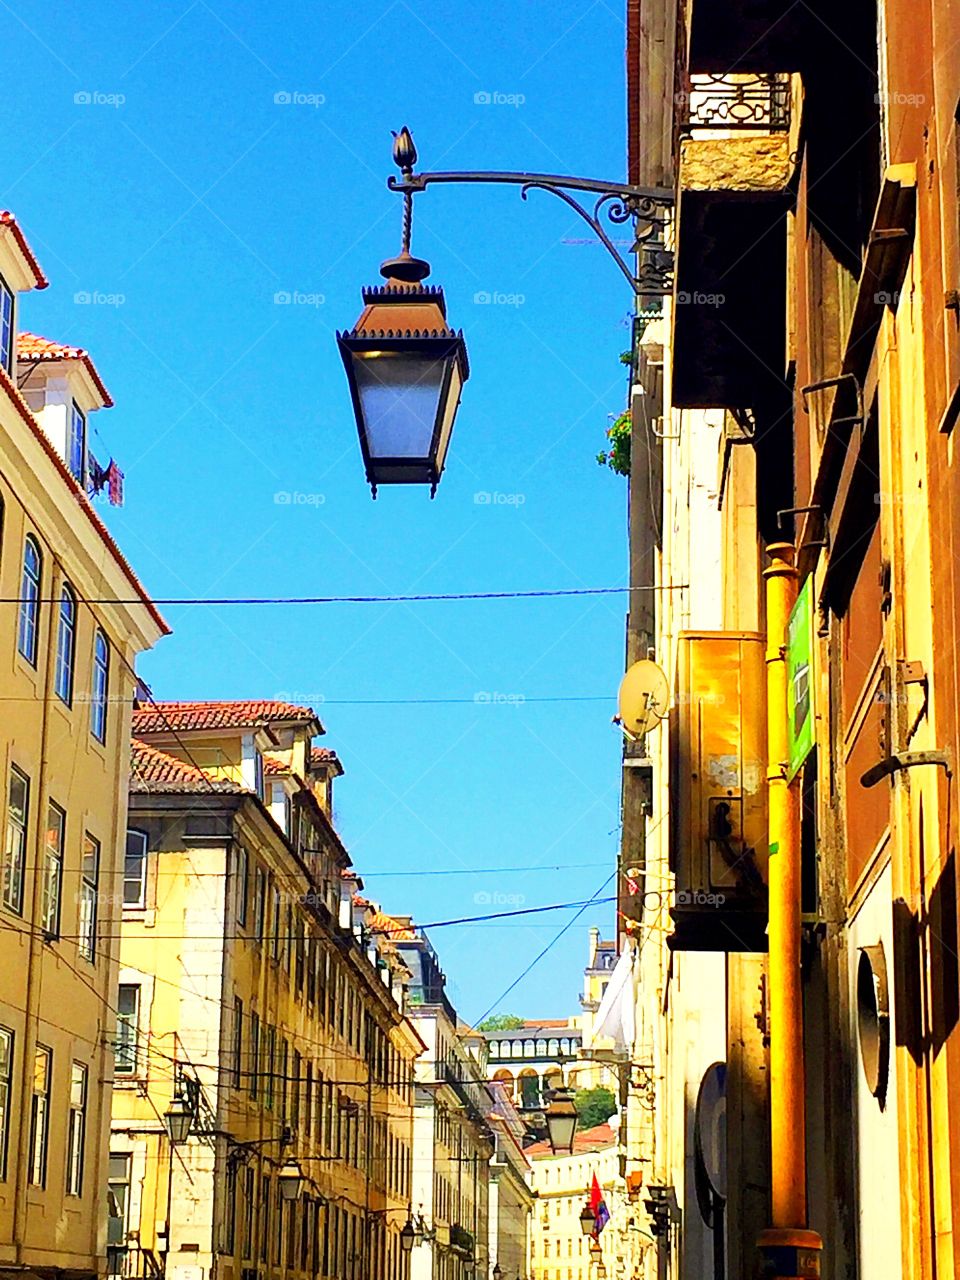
(7, 220)
(594, 1139)
(325, 758)
(164, 717)
(380, 922)
(21, 406)
(273, 766)
(154, 771)
(31, 348)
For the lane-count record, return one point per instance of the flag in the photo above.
(615, 1019)
(601, 1213)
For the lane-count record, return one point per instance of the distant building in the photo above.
(562, 1183)
(258, 990)
(453, 1137)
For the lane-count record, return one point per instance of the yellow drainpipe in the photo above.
(789, 1249)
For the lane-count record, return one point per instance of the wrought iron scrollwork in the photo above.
(649, 209)
(737, 100)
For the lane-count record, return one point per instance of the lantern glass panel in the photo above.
(399, 399)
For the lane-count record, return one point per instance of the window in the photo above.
(241, 885)
(15, 844)
(98, 693)
(237, 1041)
(230, 1210)
(276, 924)
(118, 1199)
(40, 1116)
(6, 327)
(270, 1053)
(259, 903)
(284, 1072)
(254, 1053)
(246, 1243)
(6, 1078)
(128, 1018)
(89, 879)
(295, 1088)
(77, 449)
(66, 646)
(135, 870)
(52, 871)
(76, 1128)
(258, 773)
(264, 1219)
(30, 600)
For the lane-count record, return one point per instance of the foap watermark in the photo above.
(699, 898)
(96, 98)
(485, 898)
(486, 498)
(494, 98)
(295, 98)
(300, 697)
(494, 298)
(887, 297)
(295, 498)
(896, 99)
(698, 299)
(488, 697)
(891, 498)
(297, 298)
(97, 298)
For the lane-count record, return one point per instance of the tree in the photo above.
(502, 1022)
(594, 1106)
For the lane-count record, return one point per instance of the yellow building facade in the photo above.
(260, 995)
(74, 621)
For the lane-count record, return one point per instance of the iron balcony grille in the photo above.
(737, 100)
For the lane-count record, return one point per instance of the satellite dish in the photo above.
(643, 700)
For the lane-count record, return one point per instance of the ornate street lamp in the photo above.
(408, 1235)
(561, 1118)
(406, 367)
(178, 1120)
(498, 1272)
(290, 1181)
(588, 1219)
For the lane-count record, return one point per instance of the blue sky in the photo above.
(155, 173)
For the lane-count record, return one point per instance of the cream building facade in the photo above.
(260, 992)
(67, 680)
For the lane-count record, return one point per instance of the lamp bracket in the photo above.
(648, 209)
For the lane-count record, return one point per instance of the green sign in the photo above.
(800, 679)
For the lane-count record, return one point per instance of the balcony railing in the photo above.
(130, 1262)
(736, 100)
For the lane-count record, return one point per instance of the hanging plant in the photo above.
(617, 456)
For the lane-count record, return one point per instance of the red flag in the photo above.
(601, 1213)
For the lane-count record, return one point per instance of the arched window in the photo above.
(493, 1048)
(66, 645)
(99, 688)
(529, 1049)
(554, 1048)
(541, 1048)
(30, 600)
(565, 1047)
(506, 1048)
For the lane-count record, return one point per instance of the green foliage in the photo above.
(501, 1022)
(594, 1106)
(617, 457)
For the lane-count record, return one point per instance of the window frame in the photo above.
(237, 1042)
(100, 686)
(22, 828)
(125, 1042)
(77, 1129)
(66, 657)
(77, 414)
(28, 615)
(242, 876)
(40, 1117)
(141, 901)
(89, 892)
(52, 887)
(8, 1038)
(8, 325)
